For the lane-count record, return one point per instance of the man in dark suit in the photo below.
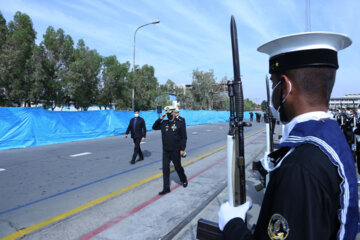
(138, 132)
(173, 133)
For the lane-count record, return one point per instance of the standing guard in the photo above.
(312, 192)
(174, 139)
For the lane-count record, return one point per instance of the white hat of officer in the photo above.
(304, 50)
(169, 109)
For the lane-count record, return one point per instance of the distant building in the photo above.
(221, 87)
(349, 100)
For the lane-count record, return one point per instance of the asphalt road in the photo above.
(42, 182)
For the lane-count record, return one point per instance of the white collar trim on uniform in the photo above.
(317, 115)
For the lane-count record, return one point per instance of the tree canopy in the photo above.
(56, 73)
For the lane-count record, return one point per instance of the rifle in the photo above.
(269, 141)
(235, 144)
(269, 126)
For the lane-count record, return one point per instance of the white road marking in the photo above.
(194, 133)
(80, 154)
(2, 169)
(142, 142)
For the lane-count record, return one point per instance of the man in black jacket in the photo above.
(173, 132)
(138, 132)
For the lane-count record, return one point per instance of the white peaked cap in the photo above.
(305, 49)
(169, 108)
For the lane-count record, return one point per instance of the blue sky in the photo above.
(195, 34)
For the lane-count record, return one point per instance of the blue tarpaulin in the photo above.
(25, 127)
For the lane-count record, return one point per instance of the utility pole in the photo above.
(133, 92)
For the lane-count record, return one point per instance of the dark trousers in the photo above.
(137, 149)
(176, 159)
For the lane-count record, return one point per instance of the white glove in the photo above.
(227, 212)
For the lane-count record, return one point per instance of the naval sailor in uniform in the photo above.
(174, 139)
(312, 193)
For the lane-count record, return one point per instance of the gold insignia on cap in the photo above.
(277, 64)
(278, 227)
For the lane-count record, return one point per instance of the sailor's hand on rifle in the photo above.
(227, 212)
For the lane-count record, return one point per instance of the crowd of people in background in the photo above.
(349, 122)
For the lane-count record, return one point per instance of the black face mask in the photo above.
(169, 116)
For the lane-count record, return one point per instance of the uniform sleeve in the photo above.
(184, 121)
(129, 127)
(157, 125)
(143, 129)
(299, 202)
(183, 137)
(236, 229)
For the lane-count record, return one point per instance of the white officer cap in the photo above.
(304, 50)
(169, 109)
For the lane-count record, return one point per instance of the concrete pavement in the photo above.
(139, 213)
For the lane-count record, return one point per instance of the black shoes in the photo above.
(132, 162)
(142, 158)
(185, 184)
(165, 191)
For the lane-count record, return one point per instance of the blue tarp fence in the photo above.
(26, 127)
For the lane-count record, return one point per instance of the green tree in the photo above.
(221, 96)
(3, 34)
(37, 75)
(82, 79)
(59, 53)
(3, 30)
(186, 100)
(170, 88)
(15, 58)
(263, 106)
(249, 105)
(146, 86)
(113, 87)
(203, 93)
(163, 100)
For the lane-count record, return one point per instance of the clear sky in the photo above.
(195, 34)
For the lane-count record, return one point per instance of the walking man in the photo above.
(174, 138)
(251, 116)
(138, 133)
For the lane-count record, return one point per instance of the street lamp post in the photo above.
(132, 92)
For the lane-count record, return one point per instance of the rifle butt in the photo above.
(208, 230)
